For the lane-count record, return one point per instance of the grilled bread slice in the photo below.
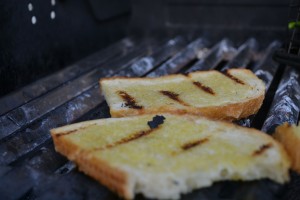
(236, 94)
(165, 155)
(289, 136)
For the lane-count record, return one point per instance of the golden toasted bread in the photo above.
(236, 94)
(289, 136)
(165, 155)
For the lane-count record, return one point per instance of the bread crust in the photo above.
(285, 134)
(228, 112)
(114, 178)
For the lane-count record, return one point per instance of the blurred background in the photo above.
(41, 37)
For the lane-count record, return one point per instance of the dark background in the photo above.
(214, 19)
(31, 51)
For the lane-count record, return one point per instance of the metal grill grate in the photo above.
(31, 169)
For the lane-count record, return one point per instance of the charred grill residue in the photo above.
(262, 149)
(193, 144)
(156, 121)
(174, 96)
(204, 87)
(129, 100)
(234, 78)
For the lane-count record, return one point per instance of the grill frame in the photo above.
(30, 163)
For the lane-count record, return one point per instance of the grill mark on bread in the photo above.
(130, 102)
(262, 149)
(204, 87)
(127, 139)
(174, 96)
(193, 144)
(235, 79)
(132, 137)
(72, 131)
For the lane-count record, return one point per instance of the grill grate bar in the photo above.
(265, 70)
(181, 59)
(149, 63)
(44, 85)
(285, 106)
(35, 109)
(218, 53)
(243, 56)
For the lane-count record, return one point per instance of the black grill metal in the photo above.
(31, 169)
(291, 54)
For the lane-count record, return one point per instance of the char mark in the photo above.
(262, 149)
(193, 144)
(235, 79)
(72, 131)
(204, 87)
(174, 96)
(129, 100)
(130, 138)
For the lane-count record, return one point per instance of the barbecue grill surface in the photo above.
(31, 169)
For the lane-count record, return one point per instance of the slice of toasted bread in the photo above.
(289, 136)
(165, 155)
(234, 95)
